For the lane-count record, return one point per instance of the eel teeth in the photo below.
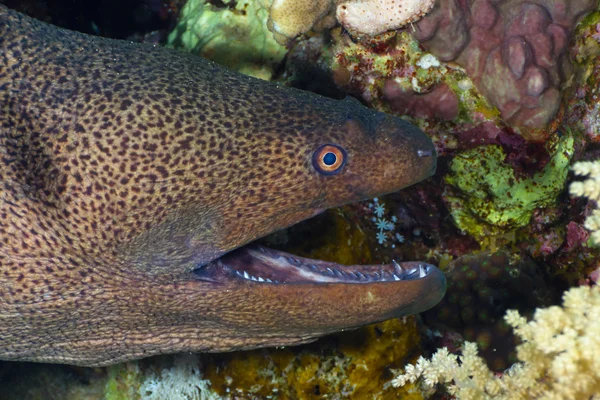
(397, 267)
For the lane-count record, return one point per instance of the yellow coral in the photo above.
(559, 358)
(589, 188)
(290, 18)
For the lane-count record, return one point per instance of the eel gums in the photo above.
(134, 179)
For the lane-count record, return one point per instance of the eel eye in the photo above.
(329, 159)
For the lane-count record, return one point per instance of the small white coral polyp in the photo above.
(372, 17)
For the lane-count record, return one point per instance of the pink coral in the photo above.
(514, 50)
(440, 103)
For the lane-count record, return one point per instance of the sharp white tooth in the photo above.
(270, 281)
(260, 279)
(314, 267)
(376, 275)
(338, 273)
(360, 275)
(239, 273)
(330, 271)
(352, 275)
(397, 267)
(246, 275)
(396, 277)
(253, 278)
(422, 272)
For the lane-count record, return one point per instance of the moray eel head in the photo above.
(134, 181)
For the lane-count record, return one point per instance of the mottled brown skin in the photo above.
(125, 166)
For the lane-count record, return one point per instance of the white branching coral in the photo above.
(559, 357)
(589, 188)
(183, 381)
(372, 17)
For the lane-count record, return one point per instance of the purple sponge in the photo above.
(514, 50)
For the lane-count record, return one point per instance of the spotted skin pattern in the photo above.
(124, 166)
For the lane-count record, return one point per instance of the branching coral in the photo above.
(589, 188)
(182, 381)
(481, 288)
(558, 358)
(514, 50)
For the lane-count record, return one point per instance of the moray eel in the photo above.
(134, 179)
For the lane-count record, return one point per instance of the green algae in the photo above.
(231, 33)
(123, 381)
(487, 198)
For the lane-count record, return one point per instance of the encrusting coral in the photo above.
(291, 18)
(589, 188)
(558, 357)
(372, 17)
(231, 33)
(515, 51)
(485, 196)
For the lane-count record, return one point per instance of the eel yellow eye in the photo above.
(329, 159)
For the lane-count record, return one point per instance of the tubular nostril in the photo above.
(424, 153)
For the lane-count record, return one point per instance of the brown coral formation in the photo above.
(514, 50)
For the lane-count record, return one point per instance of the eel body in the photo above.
(134, 179)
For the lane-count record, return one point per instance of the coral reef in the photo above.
(182, 381)
(231, 33)
(485, 197)
(31, 381)
(393, 74)
(123, 381)
(558, 357)
(481, 288)
(440, 103)
(372, 17)
(589, 188)
(356, 365)
(515, 52)
(291, 18)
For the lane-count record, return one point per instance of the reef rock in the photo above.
(514, 50)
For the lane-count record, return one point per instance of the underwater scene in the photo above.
(300, 199)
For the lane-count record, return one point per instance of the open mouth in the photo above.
(258, 264)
